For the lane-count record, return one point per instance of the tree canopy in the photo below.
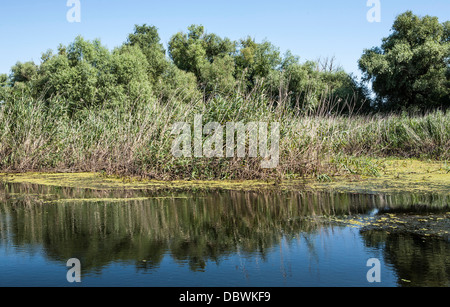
(411, 68)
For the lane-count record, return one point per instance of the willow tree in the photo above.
(206, 55)
(411, 69)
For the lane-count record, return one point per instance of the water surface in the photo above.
(215, 238)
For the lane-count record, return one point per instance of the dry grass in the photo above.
(135, 140)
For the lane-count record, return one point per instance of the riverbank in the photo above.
(403, 208)
(138, 141)
(393, 175)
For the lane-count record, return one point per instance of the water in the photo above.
(217, 238)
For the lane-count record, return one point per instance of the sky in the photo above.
(311, 29)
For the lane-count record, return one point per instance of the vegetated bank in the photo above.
(138, 142)
(89, 109)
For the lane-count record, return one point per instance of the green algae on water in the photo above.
(396, 175)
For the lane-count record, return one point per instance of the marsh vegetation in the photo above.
(87, 108)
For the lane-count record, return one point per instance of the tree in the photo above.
(130, 68)
(207, 56)
(218, 76)
(188, 51)
(148, 40)
(256, 60)
(3, 79)
(3, 86)
(313, 86)
(85, 74)
(411, 68)
(178, 84)
(23, 72)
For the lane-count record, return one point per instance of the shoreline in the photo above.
(396, 175)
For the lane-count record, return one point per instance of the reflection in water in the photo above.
(196, 228)
(419, 262)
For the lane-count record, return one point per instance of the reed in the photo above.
(134, 138)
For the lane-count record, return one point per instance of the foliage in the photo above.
(255, 61)
(411, 68)
(135, 139)
(201, 65)
(86, 74)
(85, 107)
(223, 66)
(3, 83)
(179, 84)
(207, 56)
(148, 40)
(310, 88)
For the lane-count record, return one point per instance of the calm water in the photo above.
(211, 239)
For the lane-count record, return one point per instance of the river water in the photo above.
(216, 238)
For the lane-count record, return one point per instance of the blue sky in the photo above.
(310, 29)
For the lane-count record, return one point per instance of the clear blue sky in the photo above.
(309, 28)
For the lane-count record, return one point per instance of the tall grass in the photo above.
(134, 139)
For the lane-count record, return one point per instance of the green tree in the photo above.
(86, 74)
(310, 85)
(148, 40)
(218, 76)
(22, 79)
(130, 67)
(74, 74)
(411, 68)
(3, 86)
(23, 72)
(177, 85)
(188, 51)
(207, 56)
(255, 61)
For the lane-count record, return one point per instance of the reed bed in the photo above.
(134, 138)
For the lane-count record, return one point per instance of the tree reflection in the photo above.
(143, 227)
(418, 262)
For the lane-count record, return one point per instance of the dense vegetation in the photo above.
(85, 74)
(86, 108)
(412, 67)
